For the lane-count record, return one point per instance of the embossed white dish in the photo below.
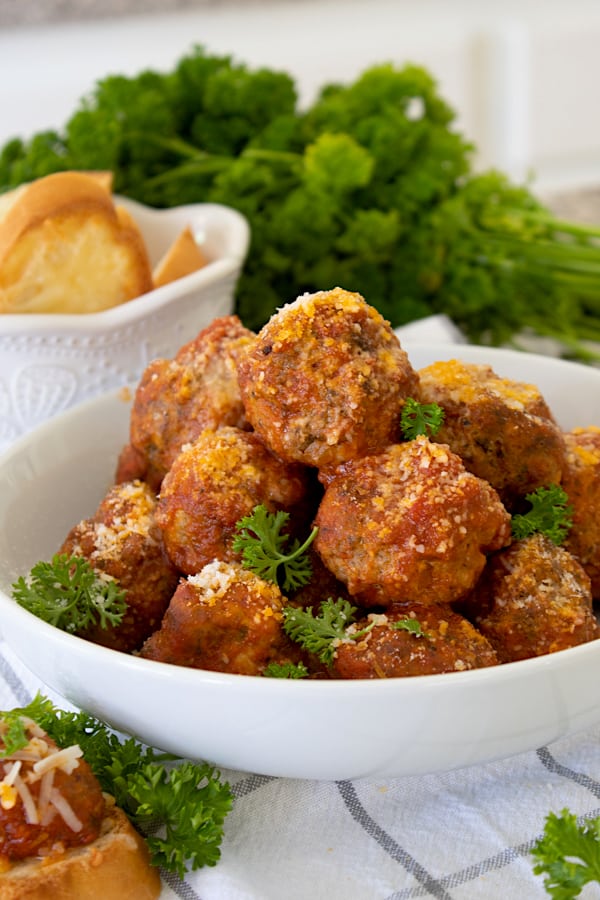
(50, 362)
(300, 729)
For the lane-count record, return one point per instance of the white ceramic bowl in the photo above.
(299, 729)
(51, 362)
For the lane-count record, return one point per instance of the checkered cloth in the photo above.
(464, 835)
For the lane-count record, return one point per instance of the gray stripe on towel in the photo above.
(432, 886)
(580, 778)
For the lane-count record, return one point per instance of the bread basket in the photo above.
(50, 362)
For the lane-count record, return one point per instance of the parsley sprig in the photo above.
(413, 626)
(260, 540)
(285, 670)
(190, 803)
(14, 734)
(183, 803)
(568, 854)
(318, 634)
(420, 418)
(550, 514)
(70, 595)
(321, 633)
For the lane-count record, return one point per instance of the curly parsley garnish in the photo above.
(183, 803)
(550, 514)
(260, 540)
(420, 418)
(13, 733)
(322, 633)
(413, 626)
(568, 854)
(70, 595)
(318, 634)
(285, 670)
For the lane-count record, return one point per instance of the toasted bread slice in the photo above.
(116, 866)
(65, 248)
(183, 257)
(104, 179)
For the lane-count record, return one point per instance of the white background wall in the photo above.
(523, 76)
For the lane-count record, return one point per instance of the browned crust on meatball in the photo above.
(326, 379)
(212, 484)
(533, 598)
(446, 642)
(502, 429)
(132, 465)
(123, 541)
(176, 399)
(409, 524)
(581, 482)
(225, 619)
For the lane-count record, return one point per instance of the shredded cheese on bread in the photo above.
(44, 758)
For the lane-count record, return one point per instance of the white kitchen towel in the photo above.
(463, 835)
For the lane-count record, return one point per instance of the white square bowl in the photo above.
(50, 362)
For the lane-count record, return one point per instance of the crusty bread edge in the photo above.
(130, 233)
(59, 193)
(116, 866)
(182, 257)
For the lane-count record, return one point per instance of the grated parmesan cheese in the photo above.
(67, 759)
(45, 759)
(214, 579)
(65, 810)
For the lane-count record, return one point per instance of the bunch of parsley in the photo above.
(371, 188)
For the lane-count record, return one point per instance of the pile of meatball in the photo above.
(305, 417)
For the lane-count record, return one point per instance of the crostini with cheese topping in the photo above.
(60, 835)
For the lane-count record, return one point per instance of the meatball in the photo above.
(177, 399)
(123, 541)
(409, 524)
(212, 484)
(44, 811)
(533, 598)
(132, 465)
(326, 379)
(225, 619)
(444, 642)
(581, 482)
(503, 430)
